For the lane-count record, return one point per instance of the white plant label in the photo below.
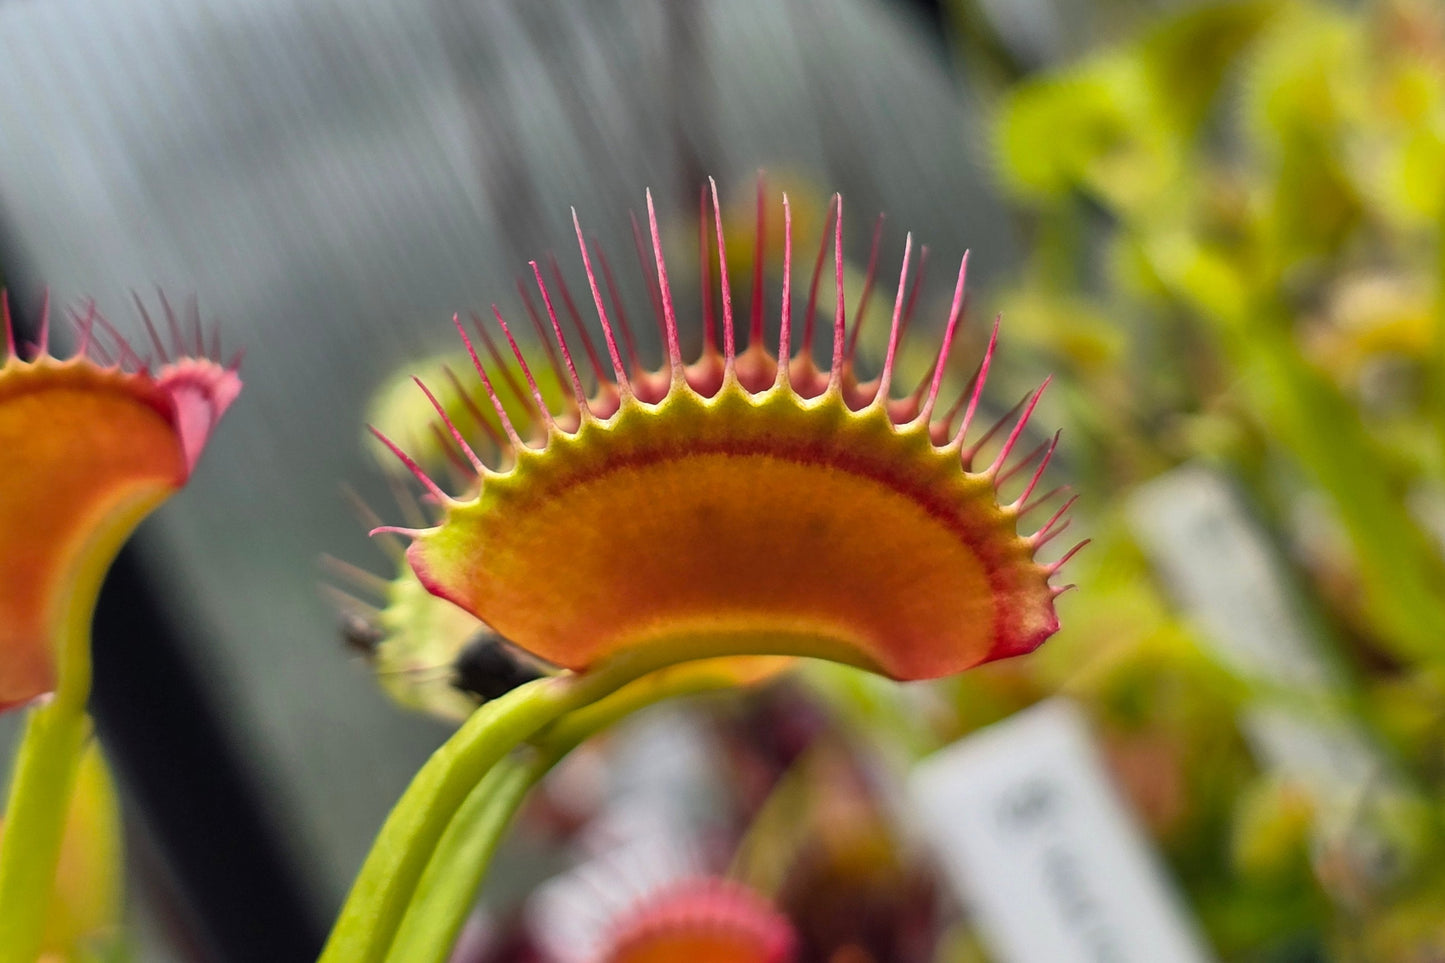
(1224, 573)
(1027, 823)
(1199, 533)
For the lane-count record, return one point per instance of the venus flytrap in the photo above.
(703, 920)
(91, 444)
(744, 505)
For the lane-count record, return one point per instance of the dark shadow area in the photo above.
(173, 754)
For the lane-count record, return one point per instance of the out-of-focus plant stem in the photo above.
(379, 897)
(39, 799)
(448, 889)
(43, 780)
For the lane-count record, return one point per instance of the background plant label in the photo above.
(1229, 580)
(1026, 822)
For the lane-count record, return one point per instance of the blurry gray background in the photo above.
(332, 180)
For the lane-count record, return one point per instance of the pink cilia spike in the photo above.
(785, 321)
(214, 348)
(704, 271)
(955, 311)
(193, 315)
(1050, 534)
(411, 509)
(577, 391)
(972, 451)
(622, 323)
(44, 339)
(348, 603)
(1019, 465)
(730, 350)
(1043, 499)
(1067, 555)
(590, 349)
(885, 380)
(544, 338)
(355, 576)
(127, 354)
(451, 426)
(512, 435)
(8, 324)
(1023, 498)
(178, 342)
(544, 411)
(394, 549)
(908, 306)
(447, 448)
(411, 466)
(91, 337)
(473, 409)
(179, 346)
(840, 321)
(617, 367)
(401, 530)
(1047, 530)
(957, 407)
(654, 296)
(979, 381)
(867, 294)
(1013, 437)
(669, 317)
(917, 395)
(150, 329)
(810, 315)
(755, 326)
(86, 326)
(499, 365)
(913, 292)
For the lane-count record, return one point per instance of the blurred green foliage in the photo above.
(1235, 221)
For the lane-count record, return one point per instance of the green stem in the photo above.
(448, 889)
(379, 897)
(43, 779)
(35, 817)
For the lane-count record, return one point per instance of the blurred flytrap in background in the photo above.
(93, 443)
(1219, 225)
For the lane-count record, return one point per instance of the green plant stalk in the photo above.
(443, 898)
(448, 888)
(40, 791)
(43, 779)
(378, 899)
